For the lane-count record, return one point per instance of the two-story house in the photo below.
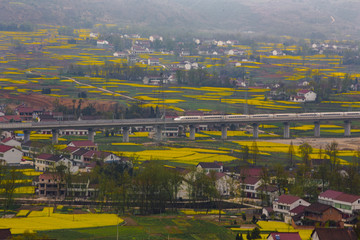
(285, 203)
(46, 162)
(346, 203)
(249, 186)
(10, 155)
(210, 166)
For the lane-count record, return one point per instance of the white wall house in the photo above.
(11, 142)
(285, 203)
(250, 185)
(346, 203)
(223, 184)
(10, 155)
(309, 95)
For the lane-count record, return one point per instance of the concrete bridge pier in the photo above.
(55, 136)
(158, 133)
(317, 129)
(192, 132)
(126, 132)
(224, 131)
(26, 135)
(180, 131)
(347, 128)
(91, 134)
(286, 130)
(255, 130)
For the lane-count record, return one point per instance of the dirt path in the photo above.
(102, 89)
(130, 222)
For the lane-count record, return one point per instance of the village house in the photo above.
(155, 37)
(51, 185)
(120, 54)
(346, 203)
(304, 95)
(285, 203)
(210, 166)
(322, 213)
(283, 236)
(10, 155)
(11, 142)
(32, 148)
(102, 44)
(223, 183)
(87, 144)
(317, 214)
(249, 186)
(333, 234)
(25, 113)
(46, 162)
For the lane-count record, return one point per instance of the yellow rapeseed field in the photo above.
(44, 222)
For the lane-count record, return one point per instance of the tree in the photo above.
(11, 176)
(248, 236)
(332, 150)
(281, 178)
(255, 233)
(305, 150)
(265, 182)
(291, 154)
(245, 152)
(239, 236)
(254, 151)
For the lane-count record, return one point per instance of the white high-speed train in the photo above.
(277, 115)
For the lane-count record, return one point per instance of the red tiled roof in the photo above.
(97, 154)
(25, 110)
(285, 236)
(6, 139)
(71, 149)
(48, 156)
(334, 234)
(288, 199)
(347, 198)
(298, 209)
(319, 208)
(83, 143)
(252, 172)
(269, 188)
(218, 175)
(330, 194)
(5, 148)
(251, 180)
(47, 176)
(304, 91)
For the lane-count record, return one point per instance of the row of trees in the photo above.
(152, 187)
(117, 111)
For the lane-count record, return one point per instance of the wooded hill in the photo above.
(301, 18)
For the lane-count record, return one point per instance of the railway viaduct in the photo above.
(160, 124)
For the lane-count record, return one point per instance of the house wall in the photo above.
(223, 185)
(285, 208)
(13, 143)
(310, 96)
(315, 236)
(13, 156)
(329, 214)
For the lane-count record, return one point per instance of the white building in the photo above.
(346, 203)
(285, 203)
(10, 155)
(309, 95)
(11, 142)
